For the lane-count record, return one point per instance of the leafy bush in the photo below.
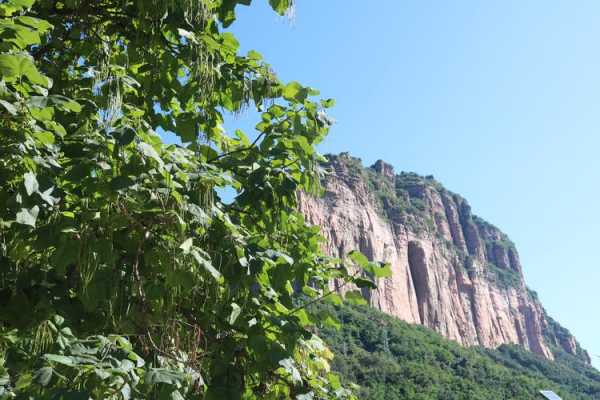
(162, 289)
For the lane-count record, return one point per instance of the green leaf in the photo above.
(17, 65)
(187, 245)
(31, 183)
(124, 135)
(207, 265)
(359, 258)
(121, 182)
(47, 197)
(254, 55)
(28, 216)
(10, 65)
(364, 283)
(57, 358)
(280, 6)
(22, 3)
(235, 313)
(293, 91)
(23, 381)
(230, 42)
(328, 103)
(175, 395)
(45, 137)
(39, 24)
(9, 107)
(289, 365)
(335, 299)
(42, 376)
(149, 151)
(163, 375)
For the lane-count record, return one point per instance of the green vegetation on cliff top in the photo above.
(404, 200)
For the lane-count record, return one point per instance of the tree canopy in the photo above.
(123, 273)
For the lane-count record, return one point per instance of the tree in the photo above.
(123, 274)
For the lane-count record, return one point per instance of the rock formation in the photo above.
(451, 271)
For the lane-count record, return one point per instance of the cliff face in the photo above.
(451, 271)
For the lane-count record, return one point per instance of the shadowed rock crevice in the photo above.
(417, 263)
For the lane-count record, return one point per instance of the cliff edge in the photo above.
(452, 271)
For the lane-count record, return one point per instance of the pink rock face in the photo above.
(451, 271)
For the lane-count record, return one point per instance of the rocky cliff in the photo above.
(452, 271)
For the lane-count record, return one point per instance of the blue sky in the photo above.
(499, 100)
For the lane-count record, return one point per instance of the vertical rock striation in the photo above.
(451, 271)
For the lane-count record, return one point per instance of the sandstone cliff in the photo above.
(452, 271)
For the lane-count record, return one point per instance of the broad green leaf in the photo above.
(175, 395)
(289, 365)
(364, 283)
(207, 265)
(293, 91)
(149, 151)
(124, 135)
(280, 6)
(235, 313)
(23, 381)
(17, 65)
(121, 182)
(254, 55)
(22, 3)
(46, 195)
(28, 216)
(10, 65)
(9, 107)
(44, 137)
(187, 245)
(359, 258)
(59, 359)
(230, 42)
(37, 23)
(31, 183)
(164, 375)
(328, 103)
(43, 376)
(335, 299)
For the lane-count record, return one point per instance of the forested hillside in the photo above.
(393, 360)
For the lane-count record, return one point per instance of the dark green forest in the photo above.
(391, 360)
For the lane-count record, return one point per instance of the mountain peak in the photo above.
(452, 271)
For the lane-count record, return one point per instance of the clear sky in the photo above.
(499, 100)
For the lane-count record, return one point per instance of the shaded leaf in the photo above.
(28, 216)
(31, 183)
(280, 6)
(42, 376)
(235, 313)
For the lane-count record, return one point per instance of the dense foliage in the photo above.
(393, 360)
(122, 273)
